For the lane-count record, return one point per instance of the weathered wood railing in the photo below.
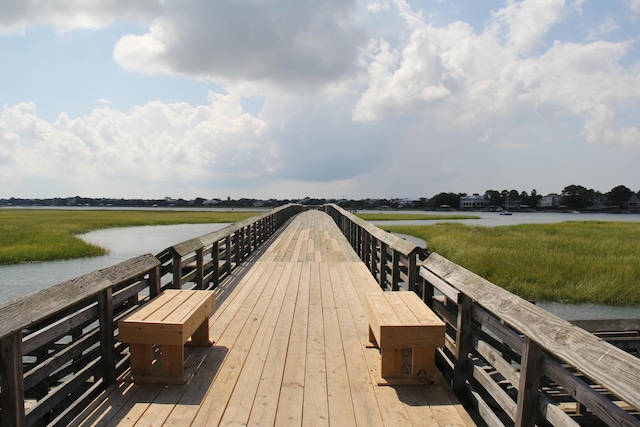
(59, 347)
(391, 260)
(514, 362)
(202, 262)
(519, 364)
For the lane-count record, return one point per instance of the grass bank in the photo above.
(28, 235)
(412, 217)
(582, 261)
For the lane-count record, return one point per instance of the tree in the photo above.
(618, 196)
(578, 197)
(451, 199)
(494, 197)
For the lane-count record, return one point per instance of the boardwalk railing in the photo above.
(514, 362)
(391, 260)
(202, 262)
(59, 347)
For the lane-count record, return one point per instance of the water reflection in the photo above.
(122, 243)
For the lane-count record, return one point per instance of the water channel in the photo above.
(125, 243)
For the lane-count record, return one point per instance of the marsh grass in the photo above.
(581, 261)
(411, 217)
(29, 235)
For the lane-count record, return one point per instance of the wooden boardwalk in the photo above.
(290, 349)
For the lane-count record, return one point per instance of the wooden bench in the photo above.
(168, 320)
(398, 321)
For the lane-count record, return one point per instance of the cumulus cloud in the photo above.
(524, 23)
(346, 104)
(65, 15)
(153, 145)
(286, 42)
(453, 77)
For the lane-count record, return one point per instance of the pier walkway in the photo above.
(290, 349)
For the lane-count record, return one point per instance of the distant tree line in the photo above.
(572, 197)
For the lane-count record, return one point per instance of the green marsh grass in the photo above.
(30, 235)
(577, 262)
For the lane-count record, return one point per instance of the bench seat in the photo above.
(398, 321)
(171, 320)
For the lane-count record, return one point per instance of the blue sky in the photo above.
(341, 98)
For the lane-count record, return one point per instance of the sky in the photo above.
(323, 99)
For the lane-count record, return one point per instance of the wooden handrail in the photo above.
(206, 260)
(545, 345)
(23, 312)
(391, 259)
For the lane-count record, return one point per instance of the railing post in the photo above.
(200, 268)
(382, 280)
(177, 270)
(463, 344)
(366, 249)
(530, 372)
(215, 261)
(154, 282)
(227, 242)
(412, 274)
(11, 381)
(395, 270)
(107, 342)
(374, 256)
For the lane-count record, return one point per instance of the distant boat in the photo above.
(507, 211)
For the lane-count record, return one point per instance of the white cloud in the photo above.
(154, 145)
(349, 105)
(526, 22)
(65, 15)
(634, 5)
(286, 42)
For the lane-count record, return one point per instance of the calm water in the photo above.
(125, 243)
(122, 243)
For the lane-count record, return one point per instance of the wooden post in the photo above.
(227, 242)
(200, 268)
(177, 270)
(412, 274)
(395, 270)
(374, 256)
(366, 248)
(530, 372)
(11, 381)
(463, 344)
(155, 282)
(215, 260)
(382, 280)
(107, 343)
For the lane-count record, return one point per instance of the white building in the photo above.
(550, 201)
(475, 201)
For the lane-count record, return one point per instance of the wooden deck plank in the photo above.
(339, 393)
(290, 404)
(215, 403)
(265, 405)
(315, 405)
(241, 402)
(291, 334)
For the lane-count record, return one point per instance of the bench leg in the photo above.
(172, 360)
(391, 362)
(200, 337)
(423, 362)
(141, 358)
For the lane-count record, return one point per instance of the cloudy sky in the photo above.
(331, 98)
